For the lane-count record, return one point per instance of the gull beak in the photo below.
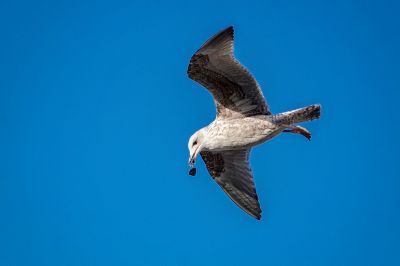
(192, 160)
(193, 156)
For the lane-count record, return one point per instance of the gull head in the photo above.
(195, 145)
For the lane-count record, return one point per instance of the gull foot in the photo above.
(298, 130)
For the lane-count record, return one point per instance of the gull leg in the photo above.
(298, 130)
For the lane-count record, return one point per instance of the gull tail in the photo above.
(299, 115)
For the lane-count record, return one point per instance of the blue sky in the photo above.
(96, 110)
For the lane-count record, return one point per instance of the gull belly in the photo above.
(240, 133)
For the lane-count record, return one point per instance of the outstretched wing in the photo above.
(231, 170)
(236, 92)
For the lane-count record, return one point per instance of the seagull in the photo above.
(243, 120)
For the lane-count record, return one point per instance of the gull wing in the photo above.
(236, 93)
(231, 170)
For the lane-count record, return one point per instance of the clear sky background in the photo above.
(96, 110)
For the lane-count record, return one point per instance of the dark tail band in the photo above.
(299, 115)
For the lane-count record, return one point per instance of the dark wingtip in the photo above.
(218, 38)
(316, 111)
(230, 29)
(257, 214)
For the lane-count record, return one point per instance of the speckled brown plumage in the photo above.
(214, 163)
(243, 120)
(231, 92)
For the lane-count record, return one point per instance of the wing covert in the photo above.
(231, 170)
(236, 92)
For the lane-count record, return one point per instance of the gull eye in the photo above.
(195, 142)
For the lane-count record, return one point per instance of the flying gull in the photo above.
(243, 120)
